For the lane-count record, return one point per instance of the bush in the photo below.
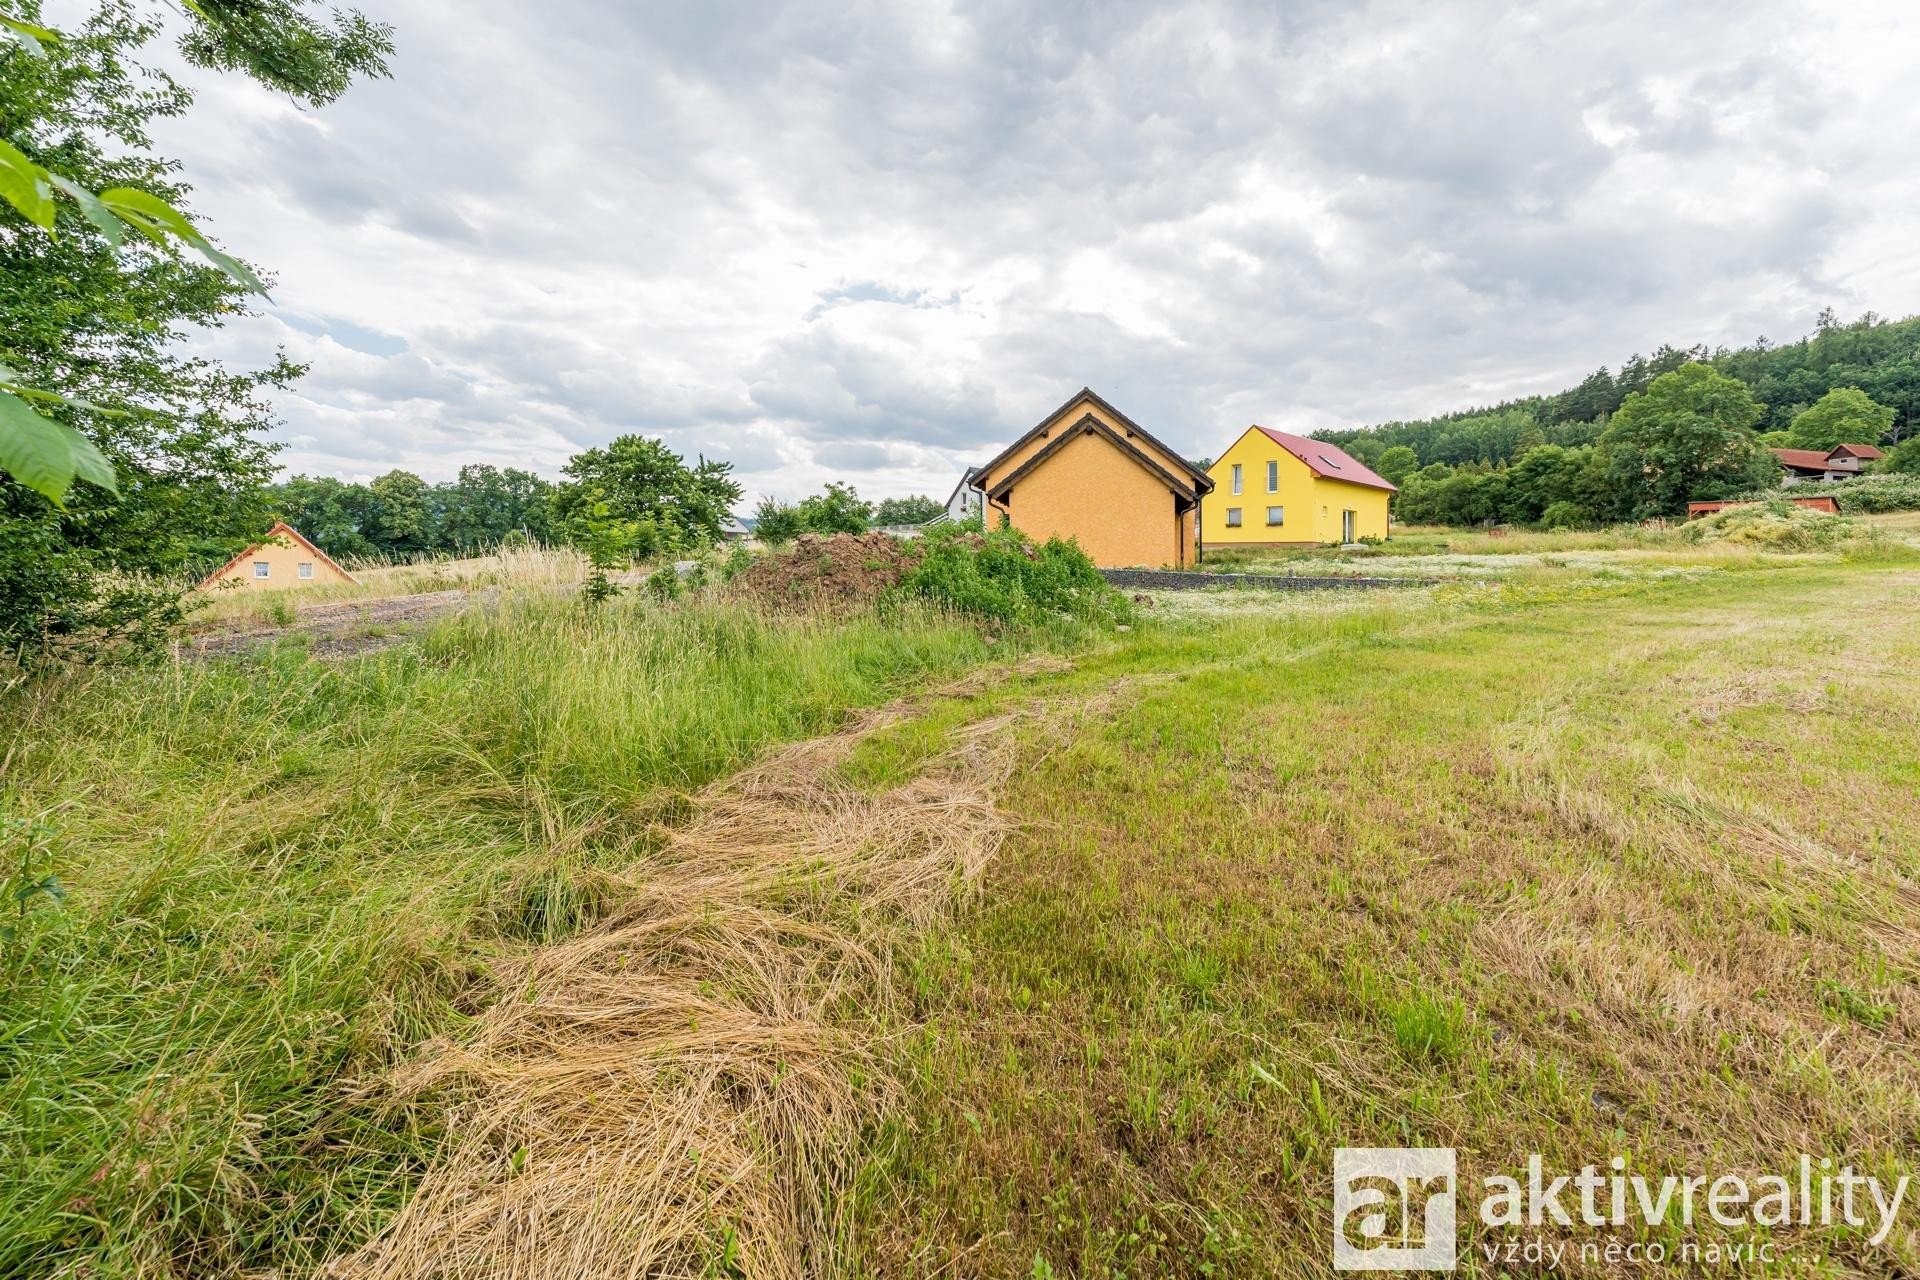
(1566, 515)
(664, 584)
(1864, 495)
(61, 602)
(1775, 525)
(1005, 576)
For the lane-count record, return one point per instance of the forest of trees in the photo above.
(1663, 429)
(639, 481)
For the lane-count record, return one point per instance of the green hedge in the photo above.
(1862, 495)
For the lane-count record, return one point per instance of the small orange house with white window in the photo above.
(1091, 473)
(284, 558)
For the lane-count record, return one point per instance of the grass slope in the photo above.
(1627, 868)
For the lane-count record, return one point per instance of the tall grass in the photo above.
(512, 566)
(280, 873)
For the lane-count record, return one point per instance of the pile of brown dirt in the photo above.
(840, 571)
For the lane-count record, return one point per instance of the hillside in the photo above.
(1880, 357)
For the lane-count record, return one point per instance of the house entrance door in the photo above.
(1346, 526)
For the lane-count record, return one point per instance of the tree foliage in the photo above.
(1880, 358)
(96, 317)
(1903, 459)
(1845, 415)
(1688, 435)
(914, 509)
(836, 509)
(1396, 463)
(650, 491)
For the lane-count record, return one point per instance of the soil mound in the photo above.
(838, 571)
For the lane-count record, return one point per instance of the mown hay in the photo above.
(676, 1092)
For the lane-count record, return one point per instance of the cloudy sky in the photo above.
(874, 241)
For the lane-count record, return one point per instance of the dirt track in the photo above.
(338, 630)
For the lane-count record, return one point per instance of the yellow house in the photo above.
(284, 558)
(1272, 489)
(1091, 473)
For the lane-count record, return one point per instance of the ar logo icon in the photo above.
(1393, 1209)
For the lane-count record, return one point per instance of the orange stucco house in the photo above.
(284, 558)
(1091, 473)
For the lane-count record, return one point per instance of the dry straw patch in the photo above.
(676, 1091)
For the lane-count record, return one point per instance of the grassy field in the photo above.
(478, 957)
(1586, 870)
(1626, 550)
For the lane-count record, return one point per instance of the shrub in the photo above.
(1775, 525)
(60, 602)
(1005, 576)
(664, 583)
(1566, 515)
(1864, 495)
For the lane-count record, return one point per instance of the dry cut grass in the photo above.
(679, 1090)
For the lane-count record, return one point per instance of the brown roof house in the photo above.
(284, 558)
(1837, 463)
(1091, 473)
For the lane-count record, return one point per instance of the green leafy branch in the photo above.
(38, 452)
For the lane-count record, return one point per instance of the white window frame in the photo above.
(1276, 516)
(305, 569)
(1273, 476)
(1236, 477)
(1233, 517)
(262, 569)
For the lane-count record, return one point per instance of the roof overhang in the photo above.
(1088, 425)
(1087, 395)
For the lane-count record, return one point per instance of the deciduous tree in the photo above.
(1688, 435)
(641, 480)
(102, 323)
(1845, 415)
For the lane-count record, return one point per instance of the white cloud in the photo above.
(874, 241)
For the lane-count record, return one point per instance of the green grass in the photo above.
(280, 874)
(1625, 550)
(1582, 859)
(1566, 864)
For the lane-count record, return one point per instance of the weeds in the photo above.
(1429, 1027)
(282, 876)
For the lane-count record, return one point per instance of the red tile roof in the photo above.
(1329, 462)
(1863, 451)
(1806, 459)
